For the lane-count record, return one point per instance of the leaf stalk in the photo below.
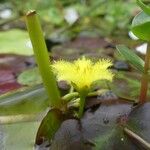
(42, 58)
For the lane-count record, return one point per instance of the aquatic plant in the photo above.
(82, 74)
(42, 58)
(140, 27)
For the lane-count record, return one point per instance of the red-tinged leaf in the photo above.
(10, 66)
(15, 63)
(6, 76)
(6, 87)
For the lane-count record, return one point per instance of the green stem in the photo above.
(82, 103)
(144, 80)
(42, 58)
(71, 89)
(75, 103)
(72, 95)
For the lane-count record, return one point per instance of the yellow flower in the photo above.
(82, 73)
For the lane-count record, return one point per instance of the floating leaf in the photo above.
(139, 122)
(30, 77)
(18, 136)
(29, 101)
(131, 57)
(15, 63)
(9, 86)
(97, 129)
(114, 140)
(16, 42)
(69, 137)
(127, 85)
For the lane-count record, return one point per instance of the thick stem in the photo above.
(42, 58)
(82, 103)
(144, 80)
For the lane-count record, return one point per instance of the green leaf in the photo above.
(144, 7)
(30, 77)
(29, 101)
(129, 83)
(52, 15)
(115, 138)
(16, 42)
(139, 123)
(49, 126)
(18, 136)
(131, 57)
(140, 26)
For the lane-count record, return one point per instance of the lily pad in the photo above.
(16, 42)
(30, 77)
